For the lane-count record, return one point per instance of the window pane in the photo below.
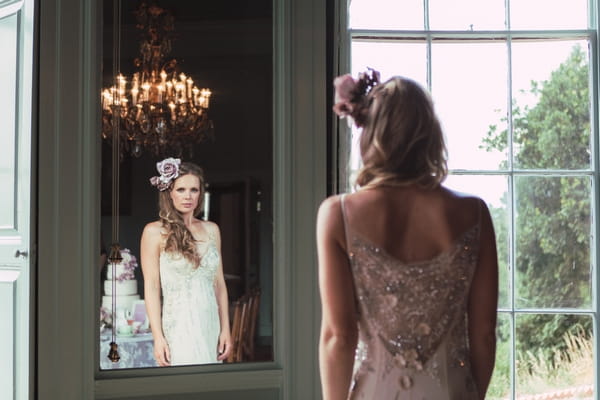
(470, 90)
(466, 15)
(493, 189)
(548, 14)
(390, 59)
(499, 387)
(554, 353)
(553, 242)
(355, 160)
(386, 14)
(552, 106)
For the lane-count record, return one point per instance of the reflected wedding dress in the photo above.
(190, 314)
(412, 321)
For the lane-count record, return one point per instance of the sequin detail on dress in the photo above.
(190, 315)
(412, 322)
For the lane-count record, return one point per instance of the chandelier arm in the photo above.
(159, 111)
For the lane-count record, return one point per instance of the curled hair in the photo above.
(402, 141)
(179, 239)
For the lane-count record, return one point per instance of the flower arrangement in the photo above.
(168, 170)
(105, 317)
(128, 264)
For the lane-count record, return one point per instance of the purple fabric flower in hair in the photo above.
(168, 170)
(350, 94)
(345, 88)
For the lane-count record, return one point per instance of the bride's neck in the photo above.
(188, 220)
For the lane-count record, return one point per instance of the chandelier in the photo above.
(159, 109)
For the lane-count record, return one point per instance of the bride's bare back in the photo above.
(410, 223)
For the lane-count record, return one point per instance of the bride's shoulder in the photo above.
(332, 202)
(154, 228)
(461, 197)
(329, 215)
(464, 206)
(209, 226)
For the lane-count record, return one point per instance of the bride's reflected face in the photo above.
(185, 193)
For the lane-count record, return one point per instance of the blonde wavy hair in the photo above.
(179, 239)
(402, 141)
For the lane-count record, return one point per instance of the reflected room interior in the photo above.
(225, 47)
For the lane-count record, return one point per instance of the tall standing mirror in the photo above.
(189, 80)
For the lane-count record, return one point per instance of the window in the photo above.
(516, 98)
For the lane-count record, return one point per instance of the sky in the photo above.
(469, 82)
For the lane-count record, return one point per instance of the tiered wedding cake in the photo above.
(124, 281)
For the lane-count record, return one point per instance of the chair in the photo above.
(239, 311)
(249, 327)
(243, 330)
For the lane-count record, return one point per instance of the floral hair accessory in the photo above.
(168, 170)
(350, 94)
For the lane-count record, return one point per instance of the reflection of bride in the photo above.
(181, 255)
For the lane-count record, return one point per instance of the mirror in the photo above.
(227, 48)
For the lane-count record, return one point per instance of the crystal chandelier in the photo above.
(159, 109)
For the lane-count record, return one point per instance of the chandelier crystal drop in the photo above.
(159, 109)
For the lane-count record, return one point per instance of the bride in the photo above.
(408, 270)
(181, 256)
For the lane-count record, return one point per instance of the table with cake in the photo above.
(133, 336)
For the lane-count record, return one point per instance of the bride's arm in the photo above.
(150, 253)
(222, 301)
(483, 301)
(339, 326)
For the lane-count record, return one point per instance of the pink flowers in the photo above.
(125, 269)
(129, 263)
(350, 94)
(168, 170)
(345, 88)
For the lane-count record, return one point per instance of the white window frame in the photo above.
(342, 64)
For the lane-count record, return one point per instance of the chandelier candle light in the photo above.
(158, 109)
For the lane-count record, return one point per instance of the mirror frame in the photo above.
(215, 35)
(68, 166)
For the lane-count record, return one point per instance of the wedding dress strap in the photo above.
(211, 235)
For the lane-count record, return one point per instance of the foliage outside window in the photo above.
(512, 86)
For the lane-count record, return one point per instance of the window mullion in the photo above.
(426, 14)
(476, 36)
(595, 139)
(512, 257)
(429, 41)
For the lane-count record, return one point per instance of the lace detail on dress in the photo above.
(190, 316)
(412, 321)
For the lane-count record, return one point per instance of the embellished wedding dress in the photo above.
(412, 321)
(190, 316)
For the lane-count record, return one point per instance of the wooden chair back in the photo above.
(239, 310)
(250, 325)
(243, 330)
